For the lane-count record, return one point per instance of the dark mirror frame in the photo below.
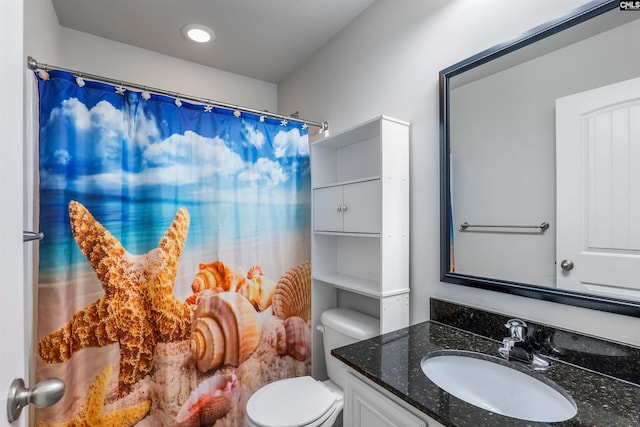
(613, 305)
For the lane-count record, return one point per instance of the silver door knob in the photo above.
(566, 264)
(45, 393)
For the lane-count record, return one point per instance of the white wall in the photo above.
(96, 55)
(49, 43)
(42, 33)
(387, 62)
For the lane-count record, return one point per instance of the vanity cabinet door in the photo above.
(365, 407)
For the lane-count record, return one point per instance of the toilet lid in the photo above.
(291, 402)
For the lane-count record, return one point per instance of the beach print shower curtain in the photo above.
(174, 276)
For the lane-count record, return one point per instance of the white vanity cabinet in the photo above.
(360, 232)
(368, 405)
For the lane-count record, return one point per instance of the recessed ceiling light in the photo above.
(198, 33)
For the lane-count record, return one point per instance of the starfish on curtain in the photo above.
(138, 308)
(91, 411)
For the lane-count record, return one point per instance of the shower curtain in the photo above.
(174, 276)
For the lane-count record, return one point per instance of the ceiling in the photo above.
(262, 39)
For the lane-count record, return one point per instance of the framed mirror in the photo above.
(540, 163)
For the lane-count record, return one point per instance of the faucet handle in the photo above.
(517, 329)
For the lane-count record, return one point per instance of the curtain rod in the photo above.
(35, 65)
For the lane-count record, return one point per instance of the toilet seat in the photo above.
(292, 402)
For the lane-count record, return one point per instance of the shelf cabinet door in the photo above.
(327, 209)
(350, 208)
(363, 207)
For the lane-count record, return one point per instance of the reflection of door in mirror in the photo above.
(598, 190)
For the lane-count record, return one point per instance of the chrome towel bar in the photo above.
(542, 226)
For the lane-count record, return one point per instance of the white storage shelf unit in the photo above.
(360, 239)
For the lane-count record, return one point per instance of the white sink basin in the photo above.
(498, 388)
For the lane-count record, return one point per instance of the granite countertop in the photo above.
(393, 362)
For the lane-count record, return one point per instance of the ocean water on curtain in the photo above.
(174, 277)
(222, 223)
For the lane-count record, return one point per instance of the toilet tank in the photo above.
(342, 327)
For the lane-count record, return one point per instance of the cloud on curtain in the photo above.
(150, 143)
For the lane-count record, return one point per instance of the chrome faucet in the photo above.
(517, 347)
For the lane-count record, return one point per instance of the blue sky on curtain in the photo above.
(154, 210)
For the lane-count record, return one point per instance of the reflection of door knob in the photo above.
(566, 264)
(43, 394)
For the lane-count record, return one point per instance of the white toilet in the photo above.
(305, 401)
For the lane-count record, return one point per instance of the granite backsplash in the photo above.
(606, 357)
